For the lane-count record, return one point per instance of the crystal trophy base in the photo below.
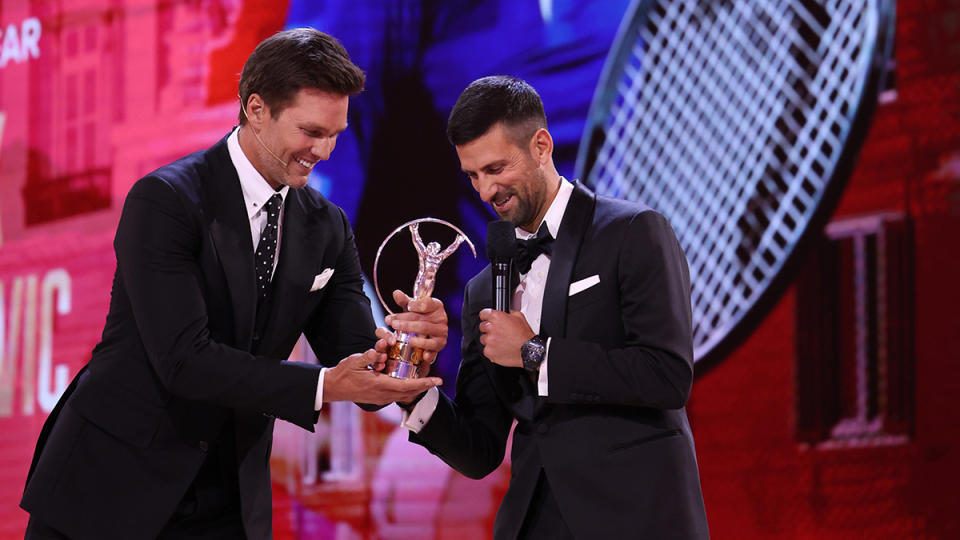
(403, 359)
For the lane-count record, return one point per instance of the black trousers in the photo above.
(193, 526)
(543, 520)
(210, 510)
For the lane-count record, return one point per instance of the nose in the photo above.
(323, 147)
(485, 187)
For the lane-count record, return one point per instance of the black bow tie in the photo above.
(528, 250)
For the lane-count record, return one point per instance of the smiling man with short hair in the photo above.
(224, 258)
(594, 361)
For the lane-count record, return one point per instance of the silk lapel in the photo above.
(302, 245)
(230, 231)
(576, 219)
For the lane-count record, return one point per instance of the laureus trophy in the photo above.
(403, 359)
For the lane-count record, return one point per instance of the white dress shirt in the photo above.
(527, 297)
(256, 193)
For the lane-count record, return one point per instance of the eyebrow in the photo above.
(322, 129)
(488, 166)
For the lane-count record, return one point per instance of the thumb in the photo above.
(427, 383)
(401, 299)
(358, 360)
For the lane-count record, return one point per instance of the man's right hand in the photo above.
(352, 380)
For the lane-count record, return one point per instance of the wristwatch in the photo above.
(532, 352)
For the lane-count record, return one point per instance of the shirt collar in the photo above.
(256, 190)
(554, 214)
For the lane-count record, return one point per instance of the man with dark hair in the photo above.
(167, 431)
(595, 360)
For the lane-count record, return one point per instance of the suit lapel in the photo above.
(302, 243)
(230, 230)
(576, 219)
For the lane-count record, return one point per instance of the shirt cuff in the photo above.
(415, 419)
(318, 404)
(542, 379)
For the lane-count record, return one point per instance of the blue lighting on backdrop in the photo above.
(395, 163)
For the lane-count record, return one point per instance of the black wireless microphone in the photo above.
(501, 249)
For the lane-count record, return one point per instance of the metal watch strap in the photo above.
(532, 353)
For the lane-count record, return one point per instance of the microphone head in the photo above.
(501, 240)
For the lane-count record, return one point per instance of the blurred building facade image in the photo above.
(828, 411)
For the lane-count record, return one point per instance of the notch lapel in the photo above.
(302, 244)
(230, 232)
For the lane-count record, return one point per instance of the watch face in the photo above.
(532, 353)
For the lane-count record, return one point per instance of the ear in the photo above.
(256, 110)
(541, 147)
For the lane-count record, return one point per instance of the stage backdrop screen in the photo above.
(95, 94)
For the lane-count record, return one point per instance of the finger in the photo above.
(355, 361)
(386, 334)
(434, 316)
(381, 356)
(405, 389)
(424, 328)
(426, 383)
(426, 305)
(430, 344)
(401, 299)
(428, 358)
(381, 346)
(392, 320)
(486, 314)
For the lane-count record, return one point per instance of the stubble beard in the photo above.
(530, 202)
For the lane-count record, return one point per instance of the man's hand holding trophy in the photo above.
(406, 357)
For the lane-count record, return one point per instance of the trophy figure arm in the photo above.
(452, 247)
(417, 241)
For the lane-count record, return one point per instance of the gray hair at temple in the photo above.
(491, 100)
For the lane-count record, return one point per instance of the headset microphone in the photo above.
(244, 109)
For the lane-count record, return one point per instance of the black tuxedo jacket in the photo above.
(180, 355)
(612, 436)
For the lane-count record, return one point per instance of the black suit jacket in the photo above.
(180, 356)
(612, 436)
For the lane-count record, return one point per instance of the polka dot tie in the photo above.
(267, 248)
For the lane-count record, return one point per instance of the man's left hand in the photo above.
(502, 335)
(424, 317)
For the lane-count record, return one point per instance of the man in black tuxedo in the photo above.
(224, 258)
(594, 361)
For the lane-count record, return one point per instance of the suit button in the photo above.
(203, 446)
(542, 429)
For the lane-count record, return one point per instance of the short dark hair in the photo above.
(293, 59)
(498, 98)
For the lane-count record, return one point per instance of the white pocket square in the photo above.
(584, 284)
(321, 279)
